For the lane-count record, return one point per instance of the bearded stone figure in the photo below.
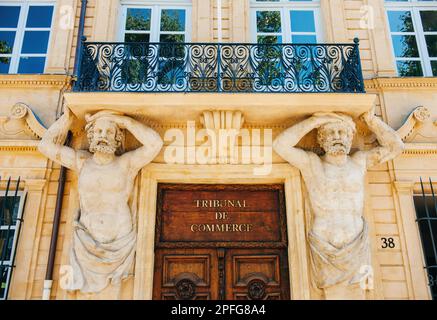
(338, 236)
(104, 237)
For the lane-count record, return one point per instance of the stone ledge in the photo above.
(34, 81)
(401, 83)
(257, 108)
(420, 148)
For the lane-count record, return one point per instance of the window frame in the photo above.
(415, 7)
(284, 7)
(155, 17)
(21, 194)
(432, 288)
(21, 29)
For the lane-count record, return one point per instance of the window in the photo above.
(413, 28)
(11, 210)
(155, 22)
(284, 21)
(426, 210)
(24, 36)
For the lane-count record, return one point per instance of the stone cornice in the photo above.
(35, 81)
(401, 83)
(404, 187)
(34, 184)
(420, 149)
(19, 145)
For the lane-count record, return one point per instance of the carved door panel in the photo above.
(199, 227)
(186, 274)
(217, 274)
(253, 274)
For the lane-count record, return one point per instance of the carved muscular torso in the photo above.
(336, 195)
(104, 194)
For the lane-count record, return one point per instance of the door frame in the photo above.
(284, 174)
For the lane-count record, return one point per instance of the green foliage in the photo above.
(136, 69)
(170, 21)
(268, 21)
(4, 48)
(137, 22)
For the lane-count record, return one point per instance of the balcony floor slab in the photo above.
(259, 108)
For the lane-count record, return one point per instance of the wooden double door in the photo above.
(221, 274)
(221, 242)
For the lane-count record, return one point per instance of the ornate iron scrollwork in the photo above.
(256, 289)
(185, 289)
(219, 67)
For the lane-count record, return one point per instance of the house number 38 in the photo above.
(388, 243)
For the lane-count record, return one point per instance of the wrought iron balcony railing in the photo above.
(213, 67)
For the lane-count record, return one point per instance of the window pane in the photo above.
(137, 37)
(268, 21)
(269, 39)
(35, 42)
(7, 39)
(6, 242)
(429, 20)
(10, 212)
(4, 65)
(3, 282)
(138, 19)
(400, 21)
(303, 39)
(39, 17)
(9, 16)
(431, 44)
(405, 46)
(171, 38)
(409, 68)
(434, 68)
(173, 20)
(31, 65)
(302, 21)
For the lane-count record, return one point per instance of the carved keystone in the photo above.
(217, 120)
(225, 125)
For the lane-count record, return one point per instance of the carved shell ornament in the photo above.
(222, 119)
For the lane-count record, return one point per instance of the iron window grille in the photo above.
(11, 217)
(426, 210)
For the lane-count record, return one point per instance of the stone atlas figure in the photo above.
(104, 237)
(338, 237)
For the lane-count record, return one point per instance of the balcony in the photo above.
(220, 67)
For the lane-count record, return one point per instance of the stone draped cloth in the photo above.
(332, 265)
(96, 264)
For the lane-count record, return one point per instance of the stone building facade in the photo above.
(39, 81)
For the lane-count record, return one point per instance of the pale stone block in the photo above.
(390, 258)
(393, 273)
(382, 203)
(395, 290)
